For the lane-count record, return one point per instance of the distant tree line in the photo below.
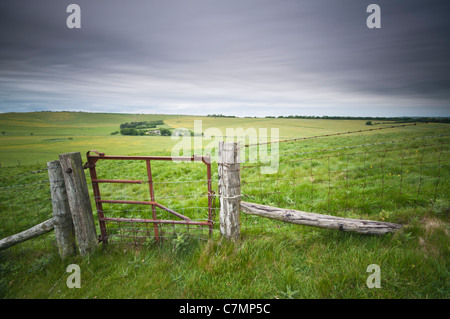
(367, 118)
(48, 111)
(220, 115)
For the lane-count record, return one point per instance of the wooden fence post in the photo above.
(64, 230)
(229, 189)
(79, 202)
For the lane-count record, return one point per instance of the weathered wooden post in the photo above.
(361, 226)
(64, 230)
(229, 189)
(79, 202)
(32, 232)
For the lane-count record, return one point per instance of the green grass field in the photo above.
(399, 175)
(38, 137)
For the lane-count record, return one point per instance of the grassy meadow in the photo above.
(398, 175)
(38, 137)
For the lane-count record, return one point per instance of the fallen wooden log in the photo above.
(368, 227)
(34, 231)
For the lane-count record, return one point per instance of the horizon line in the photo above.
(235, 116)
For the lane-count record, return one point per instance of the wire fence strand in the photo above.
(25, 201)
(369, 180)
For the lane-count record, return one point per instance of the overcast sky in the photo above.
(237, 57)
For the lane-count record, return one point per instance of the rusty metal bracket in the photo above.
(91, 159)
(96, 152)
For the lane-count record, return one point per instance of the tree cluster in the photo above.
(220, 115)
(141, 125)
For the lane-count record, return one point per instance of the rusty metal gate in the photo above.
(182, 220)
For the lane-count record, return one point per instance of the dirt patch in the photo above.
(434, 230)
(433, 224)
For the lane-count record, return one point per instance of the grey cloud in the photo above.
(249, 57)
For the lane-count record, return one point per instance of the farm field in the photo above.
(38, 137)
(399, 175)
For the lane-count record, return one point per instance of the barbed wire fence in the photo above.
(25, 201)
(379, 180)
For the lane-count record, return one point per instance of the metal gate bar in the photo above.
(152, 196)
(91, 164)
